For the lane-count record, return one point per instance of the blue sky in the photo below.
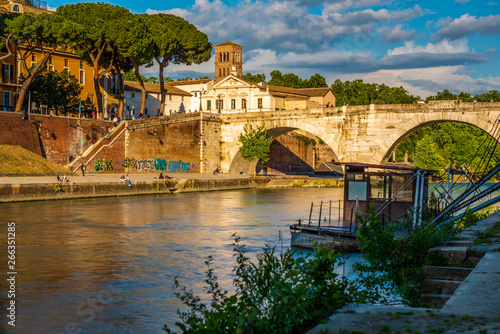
(424, 46)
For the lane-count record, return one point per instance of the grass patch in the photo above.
(17, 161)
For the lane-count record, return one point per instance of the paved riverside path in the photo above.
(473, 308)
(134, 177)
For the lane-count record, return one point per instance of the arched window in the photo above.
(220, 57)
(220, 72)
(16, 8)
(236, 56)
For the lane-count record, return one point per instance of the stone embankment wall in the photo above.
(70, 190)
(55, 138)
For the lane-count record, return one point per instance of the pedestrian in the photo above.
(83, 168)
(128, 181)
(59, 179)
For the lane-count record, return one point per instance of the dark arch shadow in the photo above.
(240, 165)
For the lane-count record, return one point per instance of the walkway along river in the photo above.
(107, 265)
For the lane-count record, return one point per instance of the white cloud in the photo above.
(491, 50)
(461, 1)
(396, 34)
(468, 25)
(444, 46)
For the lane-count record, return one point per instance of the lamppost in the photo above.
(372, 94)
(344, 96)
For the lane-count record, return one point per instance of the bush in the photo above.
(395, 264)
(278, 294)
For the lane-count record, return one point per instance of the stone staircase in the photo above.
(94, 149)
(440, 282)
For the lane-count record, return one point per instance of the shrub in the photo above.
(278, 294)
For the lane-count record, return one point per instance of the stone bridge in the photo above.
(367, 134)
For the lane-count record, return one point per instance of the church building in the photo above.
(228, 92)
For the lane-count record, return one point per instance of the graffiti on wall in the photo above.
(179, 167)
(161, 165)
(145, 165)
(158, 164)
(103, 165)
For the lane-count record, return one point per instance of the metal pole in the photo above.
(417, 194)
(339, 211)
(330, 214)
(320, 209)
(310, 213)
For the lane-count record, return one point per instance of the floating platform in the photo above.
(336, 238)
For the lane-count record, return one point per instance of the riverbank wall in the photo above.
(20, 192)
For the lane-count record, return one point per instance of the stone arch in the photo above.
(421, 121)
(275, 129)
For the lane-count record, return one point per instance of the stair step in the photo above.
(453, 256)
(433, 299)
(458, 243)
(439, 286)
(446, 273)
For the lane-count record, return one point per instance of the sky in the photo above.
(425, 46)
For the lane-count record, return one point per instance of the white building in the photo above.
(175, 99)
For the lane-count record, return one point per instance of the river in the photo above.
(107, 265)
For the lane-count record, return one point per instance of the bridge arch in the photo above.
(276, 128)
(404, 130)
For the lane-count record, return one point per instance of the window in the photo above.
(158, 97)
(33, 57)
(236, 57)
(182, 98)
(133, 94)
(219, 104)
(51, 68)
(16, 8)
(66, 62)
(220, 72)
(243, 103)
(170, 97)
(146, 109)
(81, 64)
(209, 105)
(49, 61)
(379, 187)
(82, 77)
(259, 103)
(195, 94)
(6, 100)
(233, 104)
(6, 70)
(402, 188)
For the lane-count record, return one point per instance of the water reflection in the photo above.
(107, 265)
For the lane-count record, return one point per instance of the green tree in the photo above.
(136, 43)
(6, 36)
(30, 34)
(357, 92)
(58, 90)
(316, 81)
(176, 41)
(92, 30)
(255, 143)
(254, 78)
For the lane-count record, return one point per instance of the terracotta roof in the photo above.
(228, 43)
(154, 88)
(315, 91)
(188, 82)
(284, 90)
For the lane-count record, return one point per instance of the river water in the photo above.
(107, 265)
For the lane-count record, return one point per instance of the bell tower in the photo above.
(228, 60)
